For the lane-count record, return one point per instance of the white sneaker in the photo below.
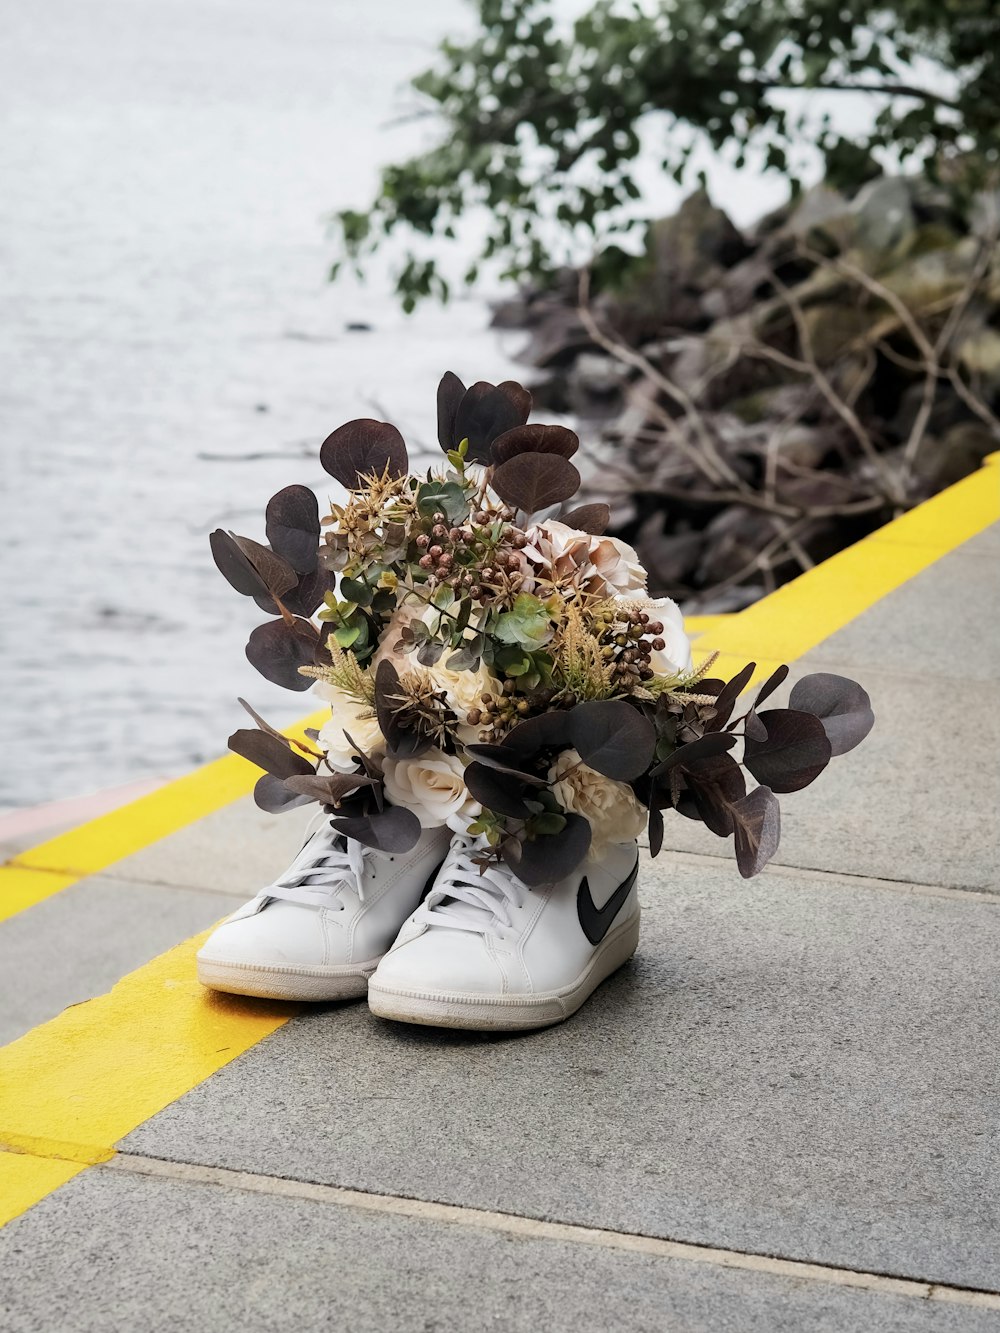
(318, 932)
(484, 951)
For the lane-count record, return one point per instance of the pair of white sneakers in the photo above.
(430, 936)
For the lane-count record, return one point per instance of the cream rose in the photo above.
(611, 808)
(617, 567)
(603, 566)
(347, 715)
(464, 690)
(432, 785)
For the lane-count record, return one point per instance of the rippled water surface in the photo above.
(170, 353)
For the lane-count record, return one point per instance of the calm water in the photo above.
(170, 353)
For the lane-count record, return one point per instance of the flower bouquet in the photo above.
(493, 662)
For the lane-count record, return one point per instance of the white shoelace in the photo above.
(328, 861)
(469, 897)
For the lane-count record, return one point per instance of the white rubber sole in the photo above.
(506, 1013)
(342, 982)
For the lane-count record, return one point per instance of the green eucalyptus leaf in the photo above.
(357, 590)
(526, 623)
(545, 825)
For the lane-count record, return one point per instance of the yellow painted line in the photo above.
(696, 626)
(801, 614)
(72, 1088)
(34, 875)
(25, 1180)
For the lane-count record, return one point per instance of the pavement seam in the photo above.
(117, 876)
(842, 878)
(537, 1229)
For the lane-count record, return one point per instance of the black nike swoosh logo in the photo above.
(596, 922)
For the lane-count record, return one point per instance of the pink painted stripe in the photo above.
(16, 825)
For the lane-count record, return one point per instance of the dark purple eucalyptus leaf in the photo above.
(770, 685)
(612, 737)
(725, 701)
(756, 829)
(704, 747)
(393, 829)
(535, 481)
(655, 830)
(535, 439)
(277, 650)
(795, 752)
(363, 448)
(502, 793)
(371, 766)
(753, 728)
(504, 760)
(716, 785)
(270, 753)
(402, 742)
(275, 573)
(271, 794)
(292, 527)
(310, 592)
(328, 788)
(519, 396)
(710, 685)
(450, 393)
(593, 518)
(548, 859)
(841, 704)
(486, 411)
(234, 566)
(547, 731)
(278, 736)
(305, 597)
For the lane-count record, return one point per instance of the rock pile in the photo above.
(755, 401)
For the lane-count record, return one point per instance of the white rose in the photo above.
(619, 571)
(347, 715)
(675, 655)
(432, 785)
(464, 690)
(611, 808)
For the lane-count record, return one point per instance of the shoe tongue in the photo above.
(336, 843)
(466, 911)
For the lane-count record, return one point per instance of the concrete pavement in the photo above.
(780, 1116)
